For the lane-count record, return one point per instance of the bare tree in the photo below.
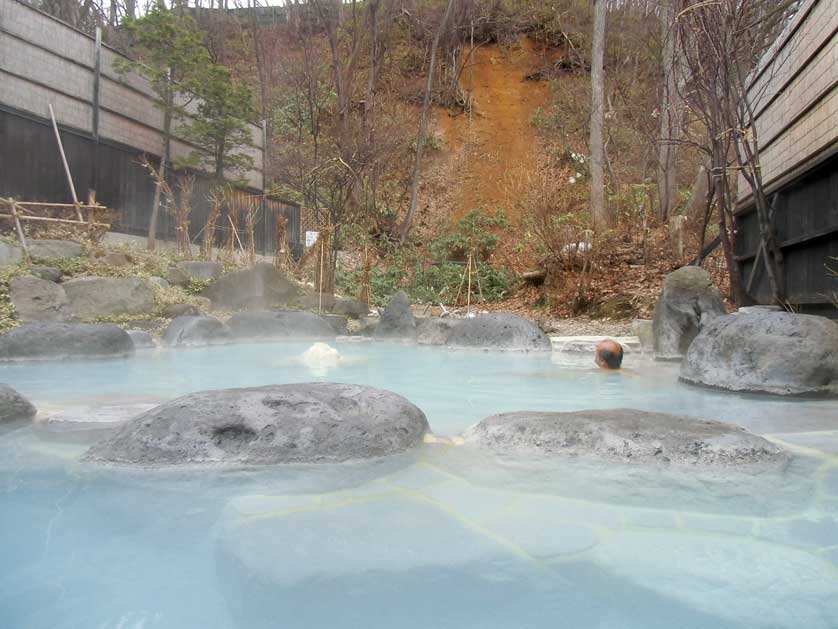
(599, 211)
(404, 229)
(671, 117)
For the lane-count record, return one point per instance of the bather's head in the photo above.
(609, 354)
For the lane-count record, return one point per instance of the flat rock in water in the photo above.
(13, 406)
(626, 435)
(261, 286)
(499, 330)
(106, 417)
(49, 341)
(35, 299)
(290, 423)
(94, 297)
(290, 324)
(689, 301)
(397, 322)
(54, 249)
(189, 331)
(435, 330)
(142, 339)
(766, 351)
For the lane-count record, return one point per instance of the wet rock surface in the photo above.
(13, 406)
(283, 324)
(435, 330)
(190, 331)
(397, 321)
(689, 301)
(293, 423)
(47, 340)
(498, 331)
(625, 435)
(766, 351)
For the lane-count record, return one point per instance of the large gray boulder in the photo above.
(435, 330)
(194, 270)
(190, 331)
(49, 273)
(499, 330)
(52, 250)
(290, 423)
(397, 322)
(49, 341)
(625, 435)
(35, 299)
(14, 406)
(285, 324)
(94, 297)
(689, 301)
(259, 287)
(767, 352)
(10, 255)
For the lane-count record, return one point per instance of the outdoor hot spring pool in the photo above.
(444, 537)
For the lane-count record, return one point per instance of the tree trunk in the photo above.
(155, 207)
(599, 212)
(670, 115)
(404, 228)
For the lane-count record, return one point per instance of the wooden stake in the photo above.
(64, 161)
(468, 294)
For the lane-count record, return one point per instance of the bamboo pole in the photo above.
(45, 219)
(19, 229)
(64, 161)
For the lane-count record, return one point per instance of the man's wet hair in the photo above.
(612, 358)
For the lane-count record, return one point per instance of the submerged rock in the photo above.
(397, 322)
(94, 297)
(291, 423)
(435, 330)
(766, 351)
(626, 435)
(49, 341)
(261, 286)
(284, 324)
(689, 301)
(36, 299)
(189, 331)
(499, 330)
(96, 418)
(14, 406)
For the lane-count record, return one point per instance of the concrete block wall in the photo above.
(43, 60)
(797, 74)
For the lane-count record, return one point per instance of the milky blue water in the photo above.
(444, 537)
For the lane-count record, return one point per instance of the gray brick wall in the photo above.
(57, 63)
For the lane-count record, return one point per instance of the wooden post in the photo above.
(97, 73)
(64, 161)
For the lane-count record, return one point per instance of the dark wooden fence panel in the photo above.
(31, 170)
(806, 220)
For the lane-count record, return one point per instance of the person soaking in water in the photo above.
(609, 354)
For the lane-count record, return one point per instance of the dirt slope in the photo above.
(482, 154)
